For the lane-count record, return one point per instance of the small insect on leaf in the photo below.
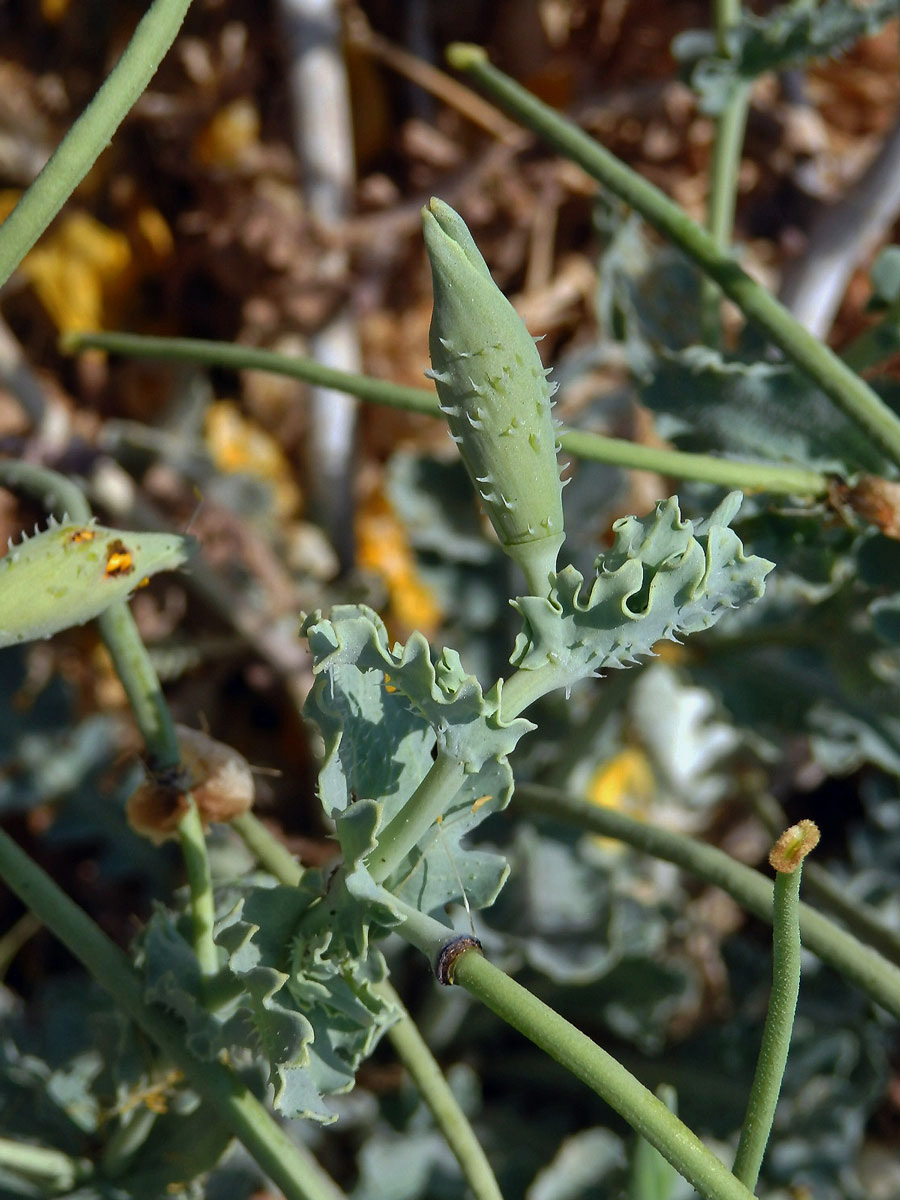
(71, 572)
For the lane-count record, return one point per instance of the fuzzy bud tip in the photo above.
(793, 846)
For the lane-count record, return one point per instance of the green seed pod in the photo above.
(72, 572)
(493, 388)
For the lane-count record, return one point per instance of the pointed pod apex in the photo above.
(793, 846)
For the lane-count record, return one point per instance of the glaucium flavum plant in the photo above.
(416, 751)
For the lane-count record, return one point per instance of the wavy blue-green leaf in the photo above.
(663, 578)
(790, 35)
(383, 713)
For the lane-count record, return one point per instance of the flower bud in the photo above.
(492, 387)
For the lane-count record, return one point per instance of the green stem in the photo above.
(727, 14)
(726, 163)
(410, 1046)
(646, 1114)
(524, 688)
(725, 166)
(726, 160)
(57, 493)
(777, 1032)
(235, 357)
(203, 909)
(293, 1169)
(126, 1141)
(53, 1168)
(704, 468)
(425, 805)
(135, 669)
(859, 964)
(650, 1177)
(412, 1050)
(151, 713)
(851, 394)
(272, 853)
(91, 133)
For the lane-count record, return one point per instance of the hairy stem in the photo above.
(777, 1032)
(91, 133)
(860, 964)
(577, 1053)
(293, 1169)
(851, 394)
(704, 468)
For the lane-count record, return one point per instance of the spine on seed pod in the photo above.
(493, 389)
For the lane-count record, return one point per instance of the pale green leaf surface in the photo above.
(382, 712)
(658, 581)
(756, 410)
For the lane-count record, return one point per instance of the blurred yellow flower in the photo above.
(228, 135)
(239, 444)
(624, 783)
(383, 546)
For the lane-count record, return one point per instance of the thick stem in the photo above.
(293, 1169)
(851, 394)
(203, 909)
(704, 468)
(91, 133)
(578, 1054)
(422, 809)
(860, 964)
(777, 1033)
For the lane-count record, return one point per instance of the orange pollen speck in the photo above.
(119, 560)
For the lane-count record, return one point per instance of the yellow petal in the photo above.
(383, 546)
